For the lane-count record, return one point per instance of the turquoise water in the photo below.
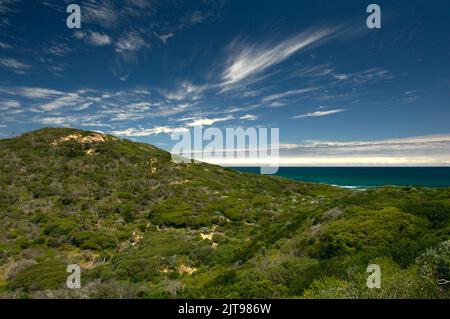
(365, 177)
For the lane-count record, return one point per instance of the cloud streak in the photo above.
(289, 93)
(14, 65)
(318, 114)
(253, 59)
(420, 150)
(208, 122)
(140, 132)
(431, 150)
(94, 38)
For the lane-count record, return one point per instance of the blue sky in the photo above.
(340, 93)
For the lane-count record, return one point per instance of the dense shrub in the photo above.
(94, 240)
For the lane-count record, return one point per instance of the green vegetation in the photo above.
(141, 226)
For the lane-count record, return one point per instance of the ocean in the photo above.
(365, 177)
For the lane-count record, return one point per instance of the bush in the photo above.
(45, 275)
(435, 264)
(60, 227)
(374, 232)
(94, 240)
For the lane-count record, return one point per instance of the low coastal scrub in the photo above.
(140, 226)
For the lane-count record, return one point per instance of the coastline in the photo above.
(363, 178)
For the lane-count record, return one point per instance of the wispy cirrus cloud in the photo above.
(318, 113)
(248, 117)
(94, 38)
(5, 46)
(141, 132)
(208, 122)
(252, 59)
(130, 42)
(373, 74)
(289, 93)
(55, 121)
(14, 65)
(101, 13)
(429, 150)
(71, 120)
(165, 37)
(31, 92)
(68, 99)
(133, 111)
(58, 49)
(89, 106)
(432, 150)
(9, 104)
(185, 90)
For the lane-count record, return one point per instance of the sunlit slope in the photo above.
(141, 226)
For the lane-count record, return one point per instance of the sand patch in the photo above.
(90, 139)
(151, 163)
(165, 270)
(207, 236)
(210, 235)
(86, 259)
(93, 138)
(137, 238)
(183, 269)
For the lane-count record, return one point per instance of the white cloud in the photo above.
(318, 114)
(32, 92)
(373, 74)
(410, 151)
(140, 132)
(71, 120)
(140, 107)
(208, 122)
(278, 96)
(129, 42)
(4, 45)
(341, 77)
(58, 49)
(432, 150)
(50, 100)
(105, 106)
(69, 99)
(254, 59)
(99, 39)
(79, 35)
(414, 141)
(14, 65)
(314, 71)
(53, 120)
(164, 38)
(127, 117)
(9, 104)
(186, 90)
(248, 117)
(102, 13)
(94, 38)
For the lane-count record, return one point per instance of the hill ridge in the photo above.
(142, 226)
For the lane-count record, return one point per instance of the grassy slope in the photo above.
(142, 226)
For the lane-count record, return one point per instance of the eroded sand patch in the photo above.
(183, 269)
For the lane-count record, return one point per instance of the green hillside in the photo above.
(141, 226)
